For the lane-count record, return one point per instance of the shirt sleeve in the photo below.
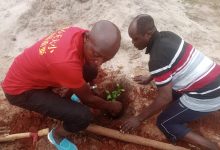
(67, 74)
(165, 54)
(159, 64)
(163, 79)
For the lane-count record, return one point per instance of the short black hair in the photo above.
(145, 24)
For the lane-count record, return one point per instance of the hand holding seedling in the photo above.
(116, 108)
(113, 95)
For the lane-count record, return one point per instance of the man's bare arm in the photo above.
(164, 97)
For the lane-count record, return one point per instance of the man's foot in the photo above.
(62, 144)
(201, 141)
(218, 145)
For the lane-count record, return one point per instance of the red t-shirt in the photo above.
(54, 61)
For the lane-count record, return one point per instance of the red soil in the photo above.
(134, 99)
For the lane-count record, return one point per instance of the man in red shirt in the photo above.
(57, 61)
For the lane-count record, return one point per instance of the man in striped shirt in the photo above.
(188, 82)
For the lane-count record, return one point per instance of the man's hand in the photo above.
(130, 125)
(144, 80)
(88, 98)
(115, 108)
(61, 91)
(163, 99)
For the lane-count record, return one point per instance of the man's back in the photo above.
(190, 71)
(45, 63)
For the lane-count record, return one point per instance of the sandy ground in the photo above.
(25, 22)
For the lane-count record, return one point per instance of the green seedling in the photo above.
(113, 95)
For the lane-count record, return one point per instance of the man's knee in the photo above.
(80, 121)
(160, 121)
(166, 129)
(172, 130)
(85, 117)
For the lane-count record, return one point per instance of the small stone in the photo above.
(14, 39)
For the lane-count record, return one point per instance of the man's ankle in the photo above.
(56, 136)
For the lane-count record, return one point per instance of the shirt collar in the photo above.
(151, 41)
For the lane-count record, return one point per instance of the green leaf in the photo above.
(113, 95)
(109, 97)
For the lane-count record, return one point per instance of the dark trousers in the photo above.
(174, 118)
(75, 116)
